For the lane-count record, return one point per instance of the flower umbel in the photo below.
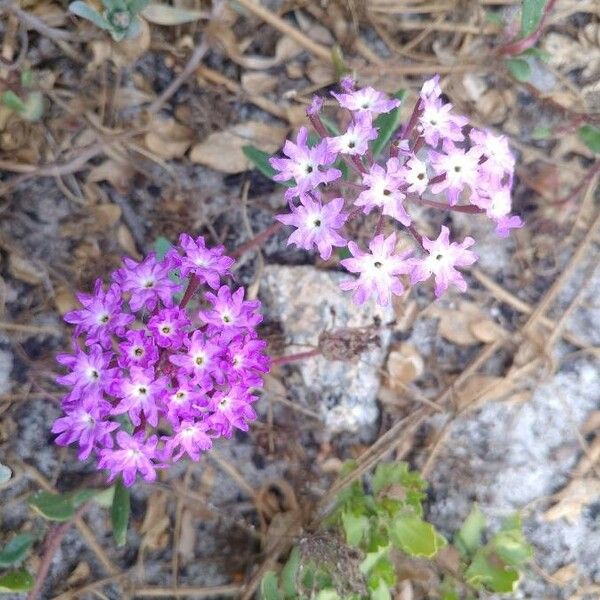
(435, 155)
(140, 360)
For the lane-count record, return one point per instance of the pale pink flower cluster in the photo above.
(436, 160)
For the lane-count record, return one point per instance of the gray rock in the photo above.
(6, 365)
(509, 457)
(307, 302)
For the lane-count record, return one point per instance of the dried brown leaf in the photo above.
(222, 150)
(404, 365)
(167, 138)
(487, 331)
(455, 324)
(565, 574)
(482, 388)
(64, 300)
(573, 498)
(187, 538)
(24, 270)
(118, 173)
(155, 526)
(258, 83)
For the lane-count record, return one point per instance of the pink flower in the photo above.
(383, 191)
(230, 313)
(101, 316)
(138, 349)
(188, 438)
(367, 100)
(414, 174)
(140, 395)
(202, 360)
(499, 161)
(443, 258)
(147, 281)
(232, 409)
(169, 327)
(355, 140)
(90, 373)
(459, 168)
(210, 265)
(308, 167)
(135, 455)
(316, 224)
(379, 270)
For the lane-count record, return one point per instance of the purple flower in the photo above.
(148, 282)
(436, 121)
(441, 262)
(499, 162)
(379, 270)
(169, 327)
(316, 224)
(101, 316)
(459, 168)
(140, 393)
(181, 401)
(210, 265)
(137, 349)
(247, 360)
(202, 362)
(86, 424)
(414, 175)
(355, 140)
(135, 455)
(383, 191)
(232, 409)
(366, 100)
(189, 438)
(90, 373)
(230, 312)
(308, 167)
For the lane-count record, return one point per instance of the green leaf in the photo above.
(337, 58)
(381, 591)
(260, 160)
(387, 124)
(541, 132)
(510, 543)
(27, 78)
(119, 513)
(519, 68)
(327, 595)
(16, 581)
(161, 246)
(81, 9)
(289, 573)
(590, 136)
(415, 536)
(34, 107)
(330, 125)
(355, 527)
(137, 6)
(268, 587)
(16, 549)
(12, 101)
(59, 507)
(488, 570)
(531, 15)
(468, 538)
(388, 474)
(105, 497)
(372, 557)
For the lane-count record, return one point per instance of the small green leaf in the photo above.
(488, 570)
(105, 497)
(260, 160)
(27, 78)
(541, 132)
(137, 6)
(380, 591)
(289, 573)
(519, 69)
(327, 595)
(119, 513)
(16, 549)
(330, 125)
(372, 557)
(590, 136)
(468, 539)
(355, 527)
(415, 536)
(12, 101)
(268, 587)
(161, 246)
(387, 124)
(34, 107)
(510, 543)
(531, 15)
(388, 474)
(81, 9)
(59, 507)
(337, 58)
(16, 581)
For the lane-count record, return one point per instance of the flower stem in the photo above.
(257, 240)
(472, 210)
(192, 287)
(284, 360)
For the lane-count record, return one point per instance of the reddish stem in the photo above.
(519, 46)
(472, 210)
(193, 285)
(318, 125)
(53, 539)
(416, 234)
(284, 360)
(257, 240)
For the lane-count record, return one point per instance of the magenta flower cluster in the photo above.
(435, 154)
(152, 379)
